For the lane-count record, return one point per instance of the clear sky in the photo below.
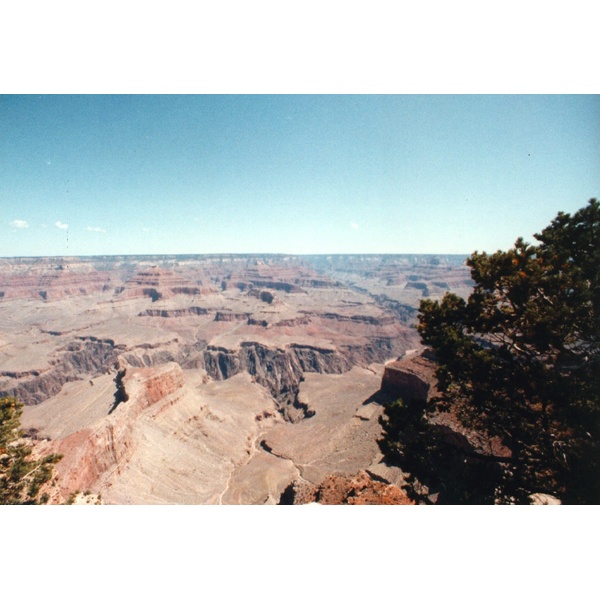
(82, 175)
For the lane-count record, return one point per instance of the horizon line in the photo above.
(236, 254)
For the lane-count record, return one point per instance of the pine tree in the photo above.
(21, 476)
(520, 359)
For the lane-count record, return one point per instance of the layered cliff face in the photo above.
(413, 379)
(90, 454)
(281, 370)
(85, 358)
(172, 438)
(187, 355)
(156, 284)
(79, 358)
(62, 279)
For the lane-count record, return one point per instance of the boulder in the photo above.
(544, 499)
(412, 378)
(336, 489)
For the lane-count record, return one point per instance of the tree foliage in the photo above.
(21, 476)
(520, 359)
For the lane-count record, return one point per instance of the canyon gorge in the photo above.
(218, 379)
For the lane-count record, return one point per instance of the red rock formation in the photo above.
(90, 453)
(192, 311)
(411, 378)
(52, 281)
(335, 489)
(293, 322)
(156, 283)
(231, 316)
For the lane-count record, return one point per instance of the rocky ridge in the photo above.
(281, 370)
(91, 453)
(58, 279)
(82, 357)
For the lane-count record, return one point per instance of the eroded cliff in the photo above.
(94, 452)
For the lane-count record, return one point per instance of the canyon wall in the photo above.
(93, 452)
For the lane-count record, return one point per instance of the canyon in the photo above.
(218, 379)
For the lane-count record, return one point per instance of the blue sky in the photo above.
(82, 175)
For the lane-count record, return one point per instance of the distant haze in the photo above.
(115, 175)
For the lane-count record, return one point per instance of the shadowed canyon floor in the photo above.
(209, 379)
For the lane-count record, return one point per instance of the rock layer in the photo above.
(81, 357)
(92, 452)
(282, 370)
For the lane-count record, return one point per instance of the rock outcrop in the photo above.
(192, 311)
(384, 320)
(281, 286)
(262, 295)
(92, 452)
(540, 499)
(157, 284)
(84, 356)
(337, 489)
(411, 378)
(295, 322)
(231, 316)
(468, 452)
(61, 279)
(281, 370)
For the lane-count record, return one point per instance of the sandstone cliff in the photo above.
(411, 378)
(91, 453)
(62, 278)
(87, 356)
(156, 284)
